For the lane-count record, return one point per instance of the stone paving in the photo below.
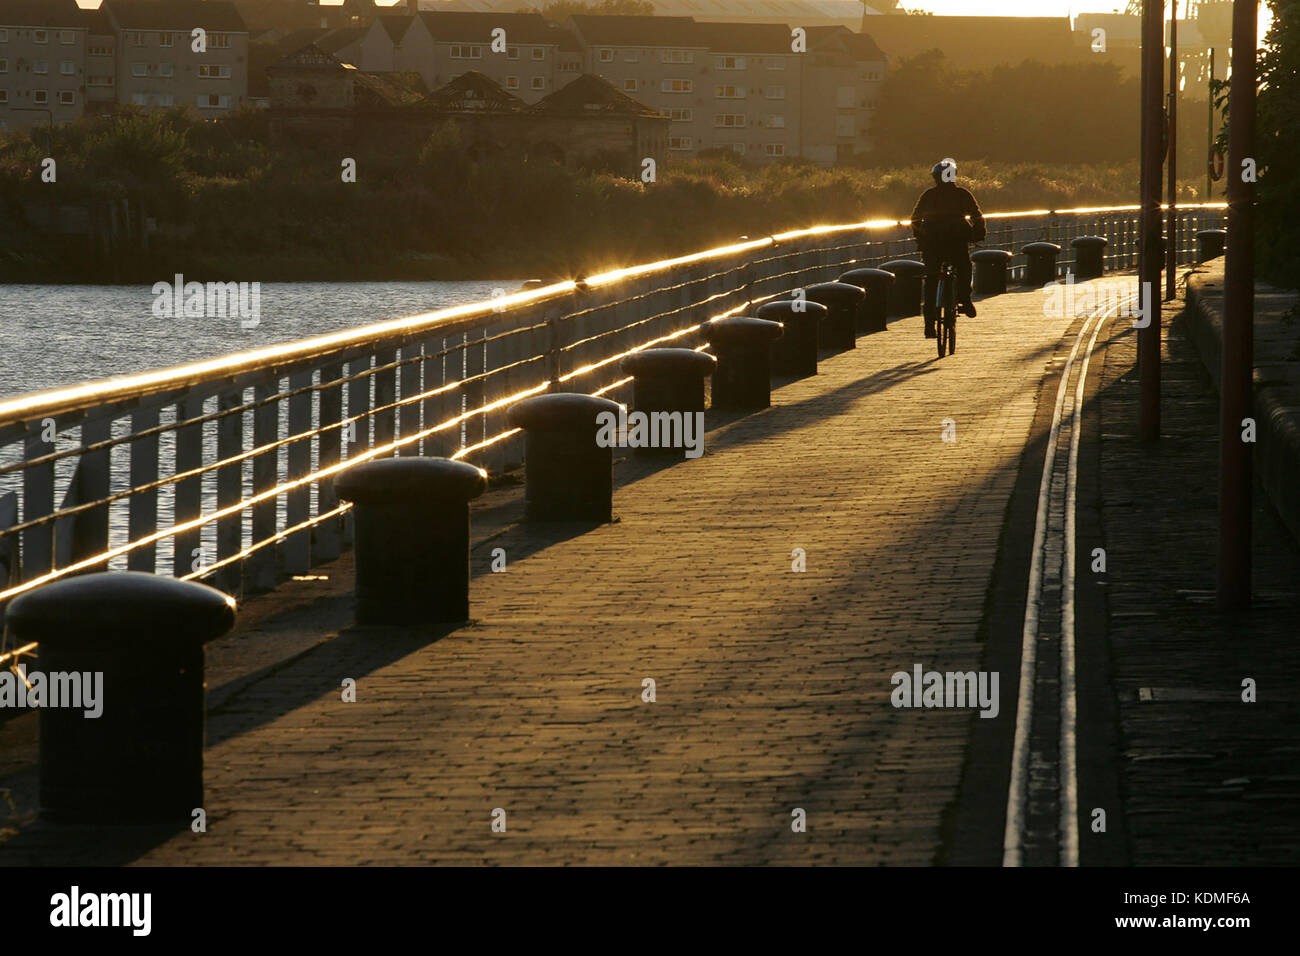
(772, 687)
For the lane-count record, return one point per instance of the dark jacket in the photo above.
(941, 213)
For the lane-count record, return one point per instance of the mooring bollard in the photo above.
(129, 646)
(1089, 256)
(668, 380)
(1040, 267)
(568, 476)
(841, 301)
(990, 271)
(909, 282)
(412, 538)
(744, 348)
(874, 283)
(1210, 244)
(795, 352)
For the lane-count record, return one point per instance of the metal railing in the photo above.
(223, 470)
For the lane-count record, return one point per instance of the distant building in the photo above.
(42, 62)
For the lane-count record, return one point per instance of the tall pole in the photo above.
(1235, 373)
(1149, 255)
(1171, 188)
(1209, 130)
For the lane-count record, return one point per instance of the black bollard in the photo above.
(1040, 267)
(744, 349)
(909, 283)
(141, 759)
(668, 380)
(568, 475)
(872, 310)
(1089, 256)
(795, 352)
(1210, 243)
(990, 271)
(412, 538)
(841, 300)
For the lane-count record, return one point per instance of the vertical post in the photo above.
(409, 414)
(230, 442)
(433, 406)
(142, 511)
(1171, 188)
(38, 501)
(188, 493)
(261, 564)
(1238, 322)
(359, 420)
(297, 546)
(385, 394)
(1150, 259)
(1209, 129)
(93, 475)
(329, 452)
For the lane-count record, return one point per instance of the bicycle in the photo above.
(945, 304)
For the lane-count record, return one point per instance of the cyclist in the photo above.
(943, 232)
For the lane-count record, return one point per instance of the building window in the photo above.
(775, 63)
(67, 98)
(4, 96)
(466, 52)
(139, 99)
(213, 101)
(40, 97)
(738, 147)
(729, 120)
(214, 71)
(679, 142)
(40, 66)
(512, 53)
(4, 66)
(871, 77)
(139, 69)
(67, 37)
(67, 67)
(729, 92)
(133, 37)
(166, 99)
(676, 86)
(219, 41)
(539, 53)
(677, 56)
(775, 92)
(4, 36)
(776, 122)
(569, 67)
(99, 81)
(512, 82)
(606, 56)
(40, 36)
(631, 56)
(99, 50)
(166, 69)
(538, 83)
(629, 86)
(729, 62)
(774, 149)
(680, 116)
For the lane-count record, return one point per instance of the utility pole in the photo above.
(1149, 255)
(1209, 130)
(1171, 189)
(1237, 359)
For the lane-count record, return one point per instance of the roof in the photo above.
(530, 28)
(860, 46)
(180, 15)
(41, 13)
(335, 40)
(591, 94)
(396, 26)
(745, 37)
(389, 89)
(96, 22)
(309, 57)
(476, 92)
(639, 31)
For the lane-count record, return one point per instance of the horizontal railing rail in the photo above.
(222, 470)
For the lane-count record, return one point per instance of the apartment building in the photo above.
(844, 72)
(158, 65)
(42, 62)
(101, 60)
(757, 86)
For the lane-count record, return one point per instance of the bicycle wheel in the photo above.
(941, 296)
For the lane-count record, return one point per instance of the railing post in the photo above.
(385, 394)
(142, 515)
(94, 481)
(188, 492)
(297, 546)
(434, 445)
(38, 501)
(409, 380)
(330, 446)
(357, 434)
(230, 490)
(261, 564)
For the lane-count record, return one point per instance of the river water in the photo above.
(54, 335)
